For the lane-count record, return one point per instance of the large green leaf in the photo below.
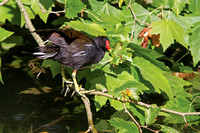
(194, 43)
(4, 34)
(168, 30)
(73, 7)
(90, 28)
(154, 75)
(34, 9)
(181, 104)
(124, 126)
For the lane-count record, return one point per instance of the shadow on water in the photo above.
(30, 113)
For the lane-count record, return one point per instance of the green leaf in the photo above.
(103, 7)
(73, 7)
(149, 55)
(100, 101)
(34, 9)
(154, 75)
(139, 113)
(167, 129)
(194, 43)
(121, 54)
(114, 81)
(178, 5)
(151, 114)
(181, 104)
(123, 126)
(11, 12)
(177, 84)
(134, 87)
(4, 34)
(168, 30)
(55, 67)
(194, 6)
(90, 28)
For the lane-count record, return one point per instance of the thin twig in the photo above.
(135, 20)
(126, 111)
(54, 12)
(93, 15)
(29, 24)
(4, 2)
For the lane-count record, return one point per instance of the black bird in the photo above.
(72, 48)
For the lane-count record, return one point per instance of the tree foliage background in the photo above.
(154, 60)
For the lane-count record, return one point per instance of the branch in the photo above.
(86, 102)
(135, 20)
(54, 12)
(29, 24)
(142, 104)
(126, 111)
(4, 2)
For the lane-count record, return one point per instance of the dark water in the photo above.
(50, 112)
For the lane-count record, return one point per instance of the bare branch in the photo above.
(86, 102)
(29, 24)
(142, 104)
(4, 2)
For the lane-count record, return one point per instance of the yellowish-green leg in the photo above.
(65, 81)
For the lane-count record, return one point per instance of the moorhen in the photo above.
(72, 48)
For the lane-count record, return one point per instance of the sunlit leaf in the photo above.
(168, 30)
(90, 28)
(4, 34)
(73, 7)
(154, 75)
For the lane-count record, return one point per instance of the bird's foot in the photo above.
(66, 84)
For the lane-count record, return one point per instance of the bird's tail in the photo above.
(46, 52)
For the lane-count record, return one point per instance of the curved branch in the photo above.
(29, 24)
(142, 104)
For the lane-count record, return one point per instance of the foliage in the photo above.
(129, 71)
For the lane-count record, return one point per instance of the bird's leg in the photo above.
(77, 88)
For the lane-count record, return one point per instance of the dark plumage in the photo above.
(72, 48)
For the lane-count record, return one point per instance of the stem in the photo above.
(4, 2)
(29, 24)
